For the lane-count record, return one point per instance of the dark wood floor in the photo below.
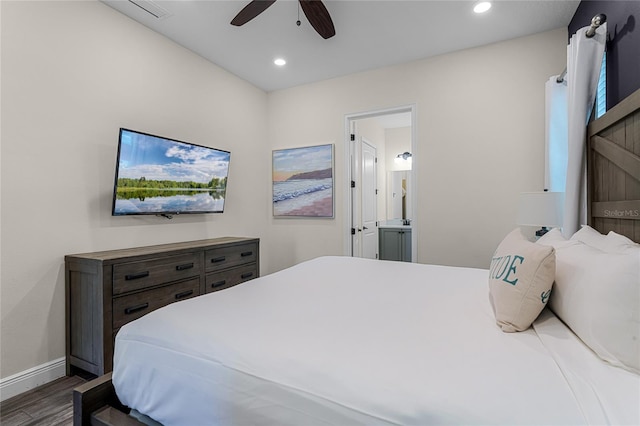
(50, 404)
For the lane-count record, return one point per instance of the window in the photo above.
(601, 91)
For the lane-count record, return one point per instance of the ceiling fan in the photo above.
(314, 10)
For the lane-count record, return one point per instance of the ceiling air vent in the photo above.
(151, 8)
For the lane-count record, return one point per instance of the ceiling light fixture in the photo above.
(280, 62)
(482, 7)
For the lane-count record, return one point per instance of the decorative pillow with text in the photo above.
(520, 280)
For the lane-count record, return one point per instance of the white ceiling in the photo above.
(369, 33)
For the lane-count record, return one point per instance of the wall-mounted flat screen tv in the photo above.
(161, 176)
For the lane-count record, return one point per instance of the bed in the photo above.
(300, 347)
(347, 341)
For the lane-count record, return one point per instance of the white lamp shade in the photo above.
(541, 209)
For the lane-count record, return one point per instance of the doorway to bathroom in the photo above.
(380, 205)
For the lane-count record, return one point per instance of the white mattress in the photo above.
(340, 340)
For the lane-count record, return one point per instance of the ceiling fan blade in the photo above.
(318, 17)
(250, 11)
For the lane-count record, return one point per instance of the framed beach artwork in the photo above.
(303, 182)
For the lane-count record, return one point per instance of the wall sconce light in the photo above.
(541, 209)
(405, 156)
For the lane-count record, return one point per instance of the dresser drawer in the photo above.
(220, 280)
(138, 275)
(226, 257)
(133, 306)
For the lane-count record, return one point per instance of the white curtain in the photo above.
(584, 57)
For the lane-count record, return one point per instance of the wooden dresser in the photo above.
(105, 290)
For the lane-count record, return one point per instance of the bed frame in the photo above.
(96, 403)
(613, 190)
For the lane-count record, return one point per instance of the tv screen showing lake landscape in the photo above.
(156, 175)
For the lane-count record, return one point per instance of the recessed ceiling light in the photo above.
(279, 62)
(482, 7)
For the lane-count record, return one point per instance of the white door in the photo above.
(363, 199)
(369, 202)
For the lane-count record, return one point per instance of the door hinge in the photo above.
(375, 160)
(353, 137)
(353, 231)
(353, 183)
(376, 255)
(376, 192)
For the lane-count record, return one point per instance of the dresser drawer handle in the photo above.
(184, 294)
(246, 253)
(134, 309)
(218, 259)
(218, 284)
(136, 276)
(246, 275)
(184, 267)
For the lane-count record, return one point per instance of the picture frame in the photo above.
(303, 182)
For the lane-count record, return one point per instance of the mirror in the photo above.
(398, 202)
(399, 162)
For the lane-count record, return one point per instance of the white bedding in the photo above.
(340, 340)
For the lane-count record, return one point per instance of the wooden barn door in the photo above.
(614, 154)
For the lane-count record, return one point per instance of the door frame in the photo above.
(349, 119)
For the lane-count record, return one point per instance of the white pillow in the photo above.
(597, 294)
(590, 237)
(552, 238)
(610, 243)
(617, 243)
(520, 281)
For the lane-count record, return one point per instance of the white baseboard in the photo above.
(31, 378)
